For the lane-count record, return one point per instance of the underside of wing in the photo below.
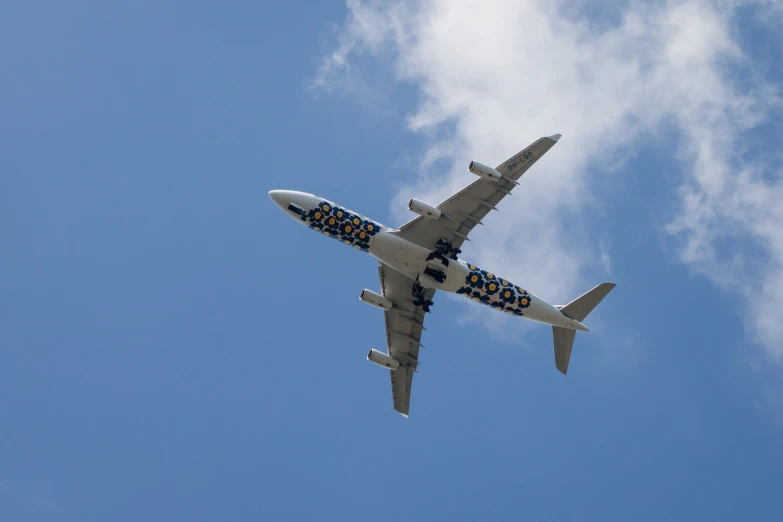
(463, 211)
(404, 326)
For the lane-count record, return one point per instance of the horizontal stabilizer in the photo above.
(584, 304)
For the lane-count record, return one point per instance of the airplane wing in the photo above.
(465, 209)
(404, 325)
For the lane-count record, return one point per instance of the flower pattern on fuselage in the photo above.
(339, 223)
(486, 288)
(356, 230)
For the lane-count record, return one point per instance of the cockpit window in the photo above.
(296, 209)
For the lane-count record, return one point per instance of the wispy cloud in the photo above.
(501, 73)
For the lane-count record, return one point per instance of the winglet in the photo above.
(555, 137)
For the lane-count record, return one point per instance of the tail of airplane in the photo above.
(577, 309)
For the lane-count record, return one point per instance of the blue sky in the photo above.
(172, 347)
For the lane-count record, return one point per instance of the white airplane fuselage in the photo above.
(421, 264)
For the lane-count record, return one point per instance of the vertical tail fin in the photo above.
(564, 341)
(577, 309)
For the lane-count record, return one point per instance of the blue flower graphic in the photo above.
(326, 208)
(316, 215)
(340, 214)
(331, 225)
(507, 295)
(491, 287)
(480, 298)
(488, 275)
(475, 280)
(371, 227)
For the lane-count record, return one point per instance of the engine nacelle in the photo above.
(484, 172)
(376, 300)
(381, 359)
(423, 209)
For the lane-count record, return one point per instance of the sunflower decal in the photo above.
(488, 289)
(345, 234)
(331, 226)
(342, 224)
(491, 287)
(507, 295)
(361, 237)
(316, 215)
(475, 280)
(480, 298)
(370, 227)
(346, 229)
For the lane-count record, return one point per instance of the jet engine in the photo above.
(376, 300)
(423, 209)
(381, 359)
(485, 172)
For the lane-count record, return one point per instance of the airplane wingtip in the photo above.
(555, 137)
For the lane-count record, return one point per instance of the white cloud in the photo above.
(501, 73)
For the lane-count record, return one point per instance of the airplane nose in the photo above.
(277, 197)
(285, 198)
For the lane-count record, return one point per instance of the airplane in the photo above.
(422, 256)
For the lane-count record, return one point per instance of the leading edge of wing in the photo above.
(404, 325)
(554, 138)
